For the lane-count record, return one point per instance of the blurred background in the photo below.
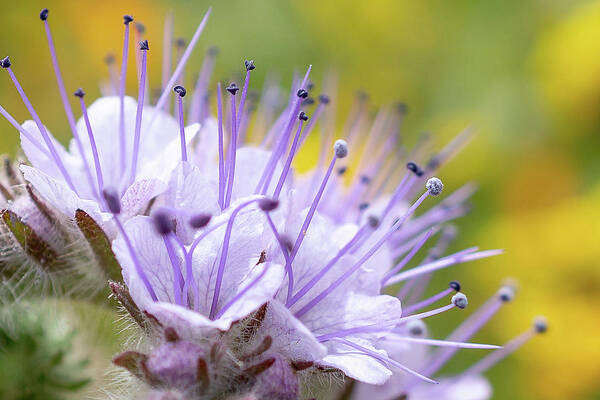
(525, 73)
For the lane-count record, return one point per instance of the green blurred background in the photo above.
(525, 73)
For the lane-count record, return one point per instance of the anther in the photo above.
(162, 222)
(416, 327)
(5, 62)
(414, 168)
(323, 98)
(109, 59)
(373, 221)
(302, 116)
(112, 200)
(506, 294)
(127, 19)
(365, 180)
(180, 90)
(310, 85)
(200, 221)
(268, 204)
(302, 93)
(141, 28)
(213, 51)
(44, 14)
(342, 170)
(434, 186)
(455, 285)
(180, 42)
(249, 65)
(363, 206)
(232, 88)
(540, 324)
(79, 93)
(402, 108)
(144, 45)
(341, 148)
(309, 101)
(460, 300)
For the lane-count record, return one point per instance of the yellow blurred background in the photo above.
(525, 73)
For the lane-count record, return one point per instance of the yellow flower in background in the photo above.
(554, 253)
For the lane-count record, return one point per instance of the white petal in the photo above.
(187, 323)
(136, 197)
(357, 365)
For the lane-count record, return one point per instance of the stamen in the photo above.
(5, 63)
(65, 100)
(459, 302)
(123, 142)
(232, 89)
(112, 72)
(465, 331)
(99, 178)
(276, 154)
(249, 67)
(454, 286)
(140, 108)
(221, 155)
(180, 90)
(445, 262)
(200, 221)
(164, 227)
(540, 326)
(288, 163)
(224, 250)
(340, 150)
(408, 257)
(311, 124)
(28, 135)
(383, 359)
(242, 292)
(199, 98)
(441, 343)
(184, 58)
(114, 206)
(364, 259)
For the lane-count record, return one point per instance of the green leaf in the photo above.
(100, 245)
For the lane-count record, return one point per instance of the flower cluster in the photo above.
(246, 279)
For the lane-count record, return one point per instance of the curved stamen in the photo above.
(224, 251)
(181, 92)
(249, 67)
(424, 303)
(288, 266)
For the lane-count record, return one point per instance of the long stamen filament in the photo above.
(138, 116)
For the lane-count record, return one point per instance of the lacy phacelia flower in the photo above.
(249, 279)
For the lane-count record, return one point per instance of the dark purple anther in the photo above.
(302, 116)
(268, 204)
(455, 285)
(112, 200)
(324, 99)
(163, 222)
(144, 45)
(79, 93)
(180, 90)
(44, 14)
(200, 220)
(5, 62)
(302, 93)
(249, 65)
(232, 88)
(127, 19)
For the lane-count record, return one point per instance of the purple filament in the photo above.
(424, 303)
(364, 259)
(231, 156)
(177, 277)
(223, 260)
(426, 314)
(88, 126)
(181, 128)
(221, 152)
(181, 65)
(288, 162)
(43, 131)
(67, 106)
(240, 110)
(288, 266)
(241, 293)
(136, 262)
(122, 139)
(408, 257)
(138, 118)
